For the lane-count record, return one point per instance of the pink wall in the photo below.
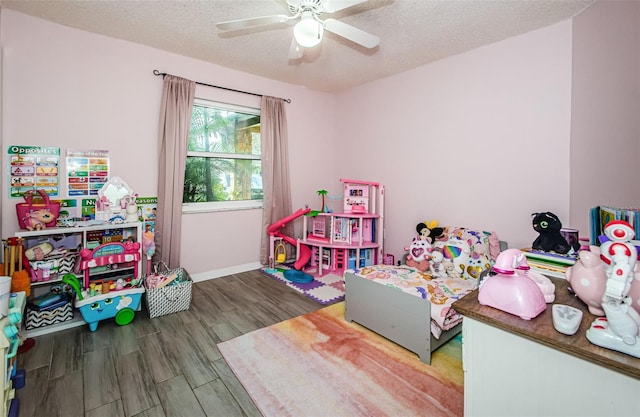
(76, 90)
(480, 139)
(605, 117)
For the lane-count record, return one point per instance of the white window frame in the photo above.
(213, 206)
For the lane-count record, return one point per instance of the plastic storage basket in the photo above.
(171, 298)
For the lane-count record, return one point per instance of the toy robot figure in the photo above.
(619, 329)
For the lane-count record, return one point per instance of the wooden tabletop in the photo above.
(541, 330)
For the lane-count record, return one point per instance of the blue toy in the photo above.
(298, 277)
(120, 304)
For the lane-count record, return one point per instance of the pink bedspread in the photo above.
(441, 292)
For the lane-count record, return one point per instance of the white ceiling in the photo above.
(412, 32)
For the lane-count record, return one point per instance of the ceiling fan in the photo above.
(307, 33)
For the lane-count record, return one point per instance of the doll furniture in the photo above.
(411, 307)
(116, 200)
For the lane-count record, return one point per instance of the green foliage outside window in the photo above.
(223, 155)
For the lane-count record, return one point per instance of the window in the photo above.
(223, 170)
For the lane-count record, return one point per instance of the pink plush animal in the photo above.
(419, 254)
(38, 219)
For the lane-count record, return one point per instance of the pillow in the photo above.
(466, 249)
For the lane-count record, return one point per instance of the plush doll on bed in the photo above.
(429, 231)
(419, 256)
(450, 269)
(456, 253)
(550, 239)
(438, 264)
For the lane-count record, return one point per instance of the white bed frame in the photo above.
(400, 317)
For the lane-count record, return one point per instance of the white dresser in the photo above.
(515, 367)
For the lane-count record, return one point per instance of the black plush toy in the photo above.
(548, 225)
(429, 232)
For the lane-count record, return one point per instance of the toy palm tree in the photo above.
(322, 193)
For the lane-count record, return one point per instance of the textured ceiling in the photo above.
(412, 32)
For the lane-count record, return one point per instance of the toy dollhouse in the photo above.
(350, 239)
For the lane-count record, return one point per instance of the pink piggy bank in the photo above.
(587, 278)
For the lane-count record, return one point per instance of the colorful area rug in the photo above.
(320, 365)
(327, 289)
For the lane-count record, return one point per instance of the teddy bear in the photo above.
(437, 266)
(550, 239)
(38, 219)
(450, 269)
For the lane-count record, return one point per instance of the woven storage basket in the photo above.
(171, 298)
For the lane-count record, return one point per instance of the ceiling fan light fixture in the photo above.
(308, 31)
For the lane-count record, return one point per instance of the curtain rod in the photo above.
(156, 72)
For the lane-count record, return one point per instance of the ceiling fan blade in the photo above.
(351, 33)
(294, 3)
(331, 6)
(295, 51)
(252, 22)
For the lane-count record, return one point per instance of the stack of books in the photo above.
(601, 215)
(549, 263)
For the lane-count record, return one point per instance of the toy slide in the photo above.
(274, 230)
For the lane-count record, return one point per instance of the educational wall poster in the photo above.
(68, 212)
(87, 171)
(33, 168)
(147, 207)
(88, 210)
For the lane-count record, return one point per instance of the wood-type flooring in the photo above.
(161, 367)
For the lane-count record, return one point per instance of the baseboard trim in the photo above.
(217, 273)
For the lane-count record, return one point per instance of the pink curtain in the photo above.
(275, 169)
(173, 135)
